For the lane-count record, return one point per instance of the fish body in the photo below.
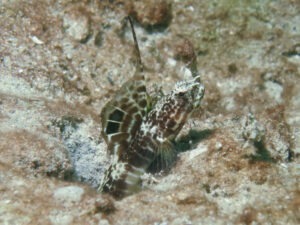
(137, 136)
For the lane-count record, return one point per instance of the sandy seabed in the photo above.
(238, 155)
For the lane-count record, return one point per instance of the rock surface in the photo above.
(238, 156)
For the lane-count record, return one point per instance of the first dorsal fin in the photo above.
(140, 67)
(122, 116)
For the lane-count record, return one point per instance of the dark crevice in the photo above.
(190, 140)
(262, 153)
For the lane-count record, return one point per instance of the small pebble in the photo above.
(218, 146)
(151, 13)
(69, 194)
(77, 25)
